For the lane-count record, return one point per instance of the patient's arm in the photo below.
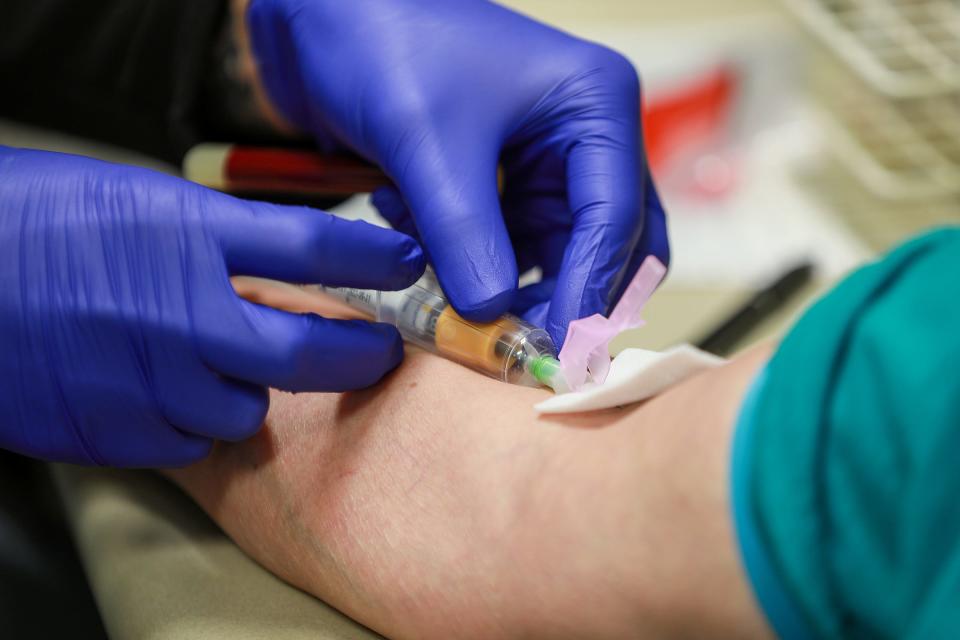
(438, 505)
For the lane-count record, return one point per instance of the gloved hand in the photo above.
(436, 92)
(124, 341)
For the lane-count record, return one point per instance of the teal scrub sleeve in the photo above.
(846, 462)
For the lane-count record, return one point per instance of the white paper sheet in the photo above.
(635, 374)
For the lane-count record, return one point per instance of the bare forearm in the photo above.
(390, 503)
(437, 504)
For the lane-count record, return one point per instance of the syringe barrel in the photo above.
(503, 349)
(415, 312)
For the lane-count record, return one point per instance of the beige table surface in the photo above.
(161, 570)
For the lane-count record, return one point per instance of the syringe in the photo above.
(507, 349)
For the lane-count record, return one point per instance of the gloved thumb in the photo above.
(456, 209)
(389, 203)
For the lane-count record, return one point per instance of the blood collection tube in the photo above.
(282, 171)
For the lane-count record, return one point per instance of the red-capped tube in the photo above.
(264, 170)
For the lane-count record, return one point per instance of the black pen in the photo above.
(759, 307)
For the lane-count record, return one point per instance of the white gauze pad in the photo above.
(635, 375)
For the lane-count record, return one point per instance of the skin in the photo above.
(437, 504)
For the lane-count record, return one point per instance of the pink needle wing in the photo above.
(585, 350)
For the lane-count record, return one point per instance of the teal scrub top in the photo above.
(846, 458)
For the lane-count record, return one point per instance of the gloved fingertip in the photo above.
(537, 315)
(413, 261)
(395, 353)
(655, 236)
(662, 252)
(558, 333)
(386, 358)
(249, 415)
(556, 324)
(482, 306)
(533, 295)
(387, 201)
(192, 450)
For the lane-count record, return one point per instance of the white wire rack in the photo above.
(903, 48)
(891, 91)
(900, 149)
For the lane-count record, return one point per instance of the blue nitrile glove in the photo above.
(436, 92)
(123, 340)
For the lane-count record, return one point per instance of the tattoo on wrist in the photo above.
(232, 102)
